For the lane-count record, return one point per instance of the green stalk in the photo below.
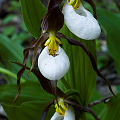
(7, 72)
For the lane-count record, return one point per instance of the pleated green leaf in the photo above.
(33, 12)
(112, 109)
(28, 111)
(110, 22)
(30, 91)
(12, 51)
(81, 75)
(29, 105)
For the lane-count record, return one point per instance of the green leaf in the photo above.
(81, 75)
(110, 23)
(7, 72)
(22, 37)
(29, 105)
(71, 92)
(33, 12)
(12, 51)
(112, 109)
(28, 111)
(7, 19)
(30, 91)
(8, 31)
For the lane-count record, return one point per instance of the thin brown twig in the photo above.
(99, 101)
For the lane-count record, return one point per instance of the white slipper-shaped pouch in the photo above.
(81, 22)
(53, 67)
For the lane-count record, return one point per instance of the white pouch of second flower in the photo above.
(53, 67)
(81, 22)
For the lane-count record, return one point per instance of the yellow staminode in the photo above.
(75, 3)
(61, 108)
(52, 43)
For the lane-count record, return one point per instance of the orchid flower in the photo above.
(63, 112)
(62, 103)
(80, 21)
(53, 61)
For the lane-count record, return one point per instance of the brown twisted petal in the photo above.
(82, 108)
(92, 59)
(46, 109)
(26, 54)
(21, 71)
(45, 83)
(36, 47)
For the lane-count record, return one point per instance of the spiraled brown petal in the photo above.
(37, 45)
(26, 51)
(82, 108)
(46, 109)
(45, 83)
(19, 74)
(92, 59)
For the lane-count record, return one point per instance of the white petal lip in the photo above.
(69, 115)
(53, 68)
(56, 116)
(81, 22)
